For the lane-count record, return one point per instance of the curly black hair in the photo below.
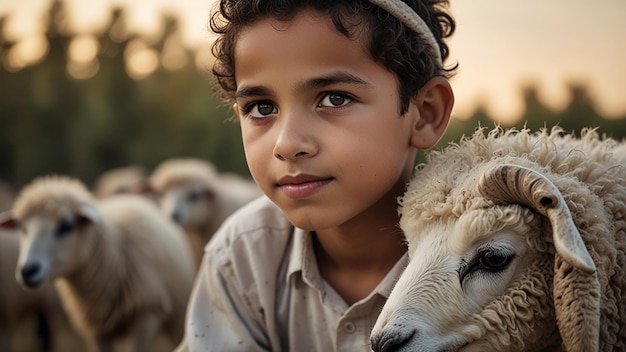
(391, 43)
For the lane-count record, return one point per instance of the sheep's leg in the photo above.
(43, 331)
(146, 331)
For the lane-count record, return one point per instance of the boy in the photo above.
(334, 99)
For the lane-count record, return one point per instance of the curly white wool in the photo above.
(517, 242)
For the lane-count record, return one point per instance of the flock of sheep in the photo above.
(115, 263)
(517, 242)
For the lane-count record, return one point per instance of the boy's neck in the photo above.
(355, 264)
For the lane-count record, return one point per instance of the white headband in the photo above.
(400, 10)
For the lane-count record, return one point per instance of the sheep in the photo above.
(121, 269)
(127, 179)
(516, 242)
(199, 198)
(36, 315)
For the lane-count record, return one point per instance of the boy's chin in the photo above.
(308, 221)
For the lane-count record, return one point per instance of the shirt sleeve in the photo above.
(219, 317)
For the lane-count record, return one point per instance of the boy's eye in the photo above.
(265, 108)
(260, 110)
(335, 100)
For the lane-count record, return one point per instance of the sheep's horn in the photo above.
(507, 184)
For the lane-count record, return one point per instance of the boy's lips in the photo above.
(301, 185)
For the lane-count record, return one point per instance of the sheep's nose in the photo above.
(31, 274)
(389, 341)
(177, 216)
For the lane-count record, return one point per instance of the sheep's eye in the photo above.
(64, 228)
(494, 261)
(194, 196)
(488, 260)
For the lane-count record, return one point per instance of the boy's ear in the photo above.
(89, 214)
(236, 109)
(434, 103)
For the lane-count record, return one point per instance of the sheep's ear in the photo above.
(7, 221)
(89, 214)
(507, 184)
(576, 292)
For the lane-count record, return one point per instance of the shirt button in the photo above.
(349, 327)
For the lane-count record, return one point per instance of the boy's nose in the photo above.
(295, 139)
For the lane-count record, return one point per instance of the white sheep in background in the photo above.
(120, 267)
(517, 243)
(35, 315)
(126, 179)
(199, 198)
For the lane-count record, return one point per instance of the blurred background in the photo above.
(87, 86)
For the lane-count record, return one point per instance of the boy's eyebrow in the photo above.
(252, 91)
(333, 78)
(314, 83)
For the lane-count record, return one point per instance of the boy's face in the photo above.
(320, 122)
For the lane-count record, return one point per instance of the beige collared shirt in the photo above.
(259, 289)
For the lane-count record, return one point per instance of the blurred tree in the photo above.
(53, 122)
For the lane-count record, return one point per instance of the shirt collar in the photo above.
(302, 259)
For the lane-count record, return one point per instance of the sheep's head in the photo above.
(481, 278)
(129, 179)
(187, 192)
(190, 205)
(53, 216)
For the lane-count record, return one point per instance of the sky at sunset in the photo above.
(500, 45)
